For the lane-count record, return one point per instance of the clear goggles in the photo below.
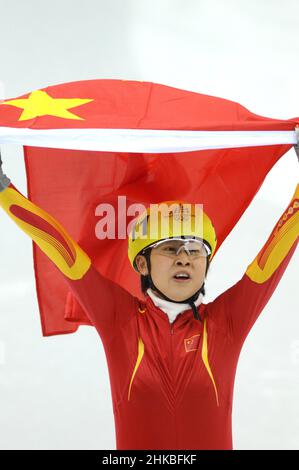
(174, 246)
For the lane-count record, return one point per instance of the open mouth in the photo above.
(182, 277)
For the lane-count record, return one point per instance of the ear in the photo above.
(141, 265)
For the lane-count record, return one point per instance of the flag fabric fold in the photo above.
(149, 146)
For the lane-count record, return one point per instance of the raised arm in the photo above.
(238, 307)
(98, 296)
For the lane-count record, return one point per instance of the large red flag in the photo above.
(121, 142)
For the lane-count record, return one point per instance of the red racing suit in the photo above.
(171, 384)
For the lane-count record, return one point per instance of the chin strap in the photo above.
(190, 300)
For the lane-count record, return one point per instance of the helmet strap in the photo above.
(190, 300)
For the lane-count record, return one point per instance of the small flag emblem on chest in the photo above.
(192, 343)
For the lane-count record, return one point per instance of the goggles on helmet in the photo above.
(172, 247)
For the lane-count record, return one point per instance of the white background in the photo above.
(54, 392)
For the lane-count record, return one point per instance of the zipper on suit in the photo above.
(172, 325)
(172, 375)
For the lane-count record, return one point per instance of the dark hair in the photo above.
(144, 281)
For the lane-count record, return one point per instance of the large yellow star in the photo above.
(39, 103)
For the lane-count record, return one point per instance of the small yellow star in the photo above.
(39, 103)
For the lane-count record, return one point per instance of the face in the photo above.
(164, 268)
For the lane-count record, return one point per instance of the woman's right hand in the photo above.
(4, 181)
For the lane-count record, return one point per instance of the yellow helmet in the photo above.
(166, 220)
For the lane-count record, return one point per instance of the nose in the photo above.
(182, 257)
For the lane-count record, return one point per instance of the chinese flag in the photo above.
(121, 142)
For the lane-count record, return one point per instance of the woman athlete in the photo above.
(172, 359)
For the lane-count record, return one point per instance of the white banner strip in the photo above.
(143, 140)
